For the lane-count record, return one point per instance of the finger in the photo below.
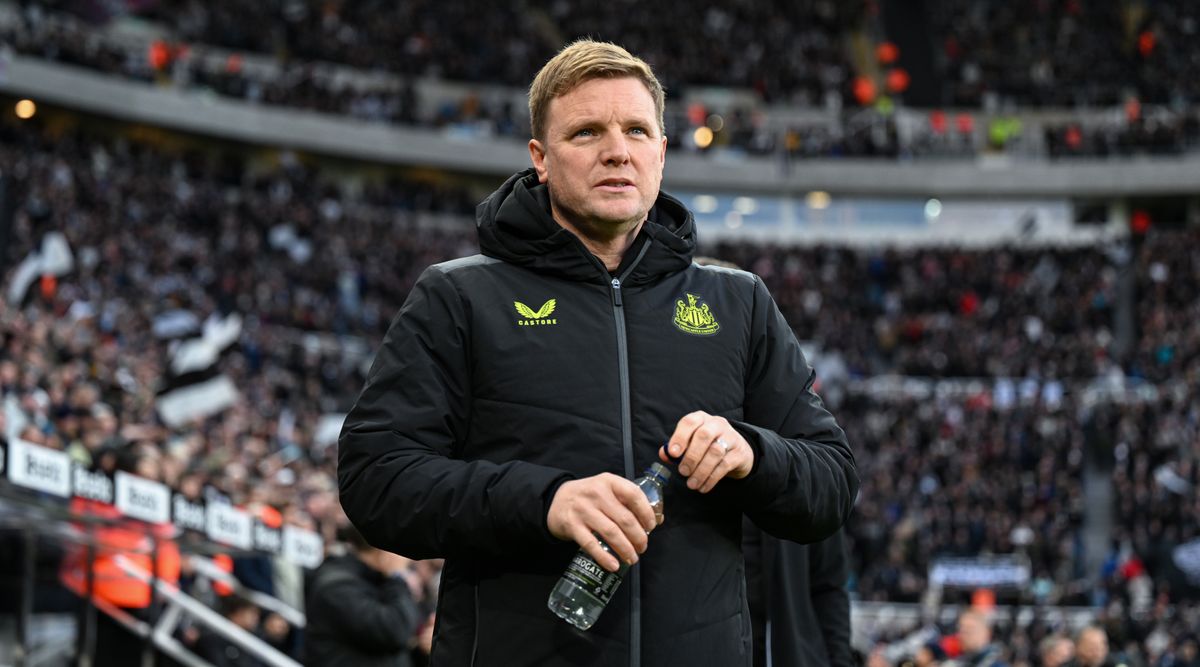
(634, 501)
(713, 457)
(719, 473)
(629, 524)
(591, 545)
(616, 539)
(702, 439)
(677, 444)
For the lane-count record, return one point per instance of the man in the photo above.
(361, 609)
(221, 652)
(975, 639)
(518, 392)
(1091, 647)
(799, 607)
(1056, 651)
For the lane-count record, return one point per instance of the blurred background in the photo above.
(981, 217)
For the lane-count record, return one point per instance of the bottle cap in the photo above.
(661, 471)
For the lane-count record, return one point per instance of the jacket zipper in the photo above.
(635, 579)
(475, 638)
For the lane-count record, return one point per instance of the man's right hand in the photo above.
(606, 505)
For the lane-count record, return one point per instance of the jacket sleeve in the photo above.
(804, 482)
(374, 620)
(398, 476)
(827, 564)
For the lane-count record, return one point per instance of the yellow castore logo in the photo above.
(536, 318)
(695, 318)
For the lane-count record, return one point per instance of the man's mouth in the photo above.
(615, 185)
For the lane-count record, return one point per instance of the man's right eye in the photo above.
(586, 132)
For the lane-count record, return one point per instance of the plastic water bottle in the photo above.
(586, 587)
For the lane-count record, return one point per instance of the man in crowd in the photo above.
(221, 652)
(1056, 651)
(1091, 647)
(518, 392)
(975, 640)
(361, 609)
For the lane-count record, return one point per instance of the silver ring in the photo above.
(723, 445)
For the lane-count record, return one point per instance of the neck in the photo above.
(370, 559)
(608, 245)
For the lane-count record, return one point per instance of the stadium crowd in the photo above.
(312, 266)
(962, 478)
(1043, 313)
(1025, 52)
(318, 65)
(1033, 53)
(796, 51)
(84, 365)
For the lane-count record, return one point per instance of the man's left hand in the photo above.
(711, 450)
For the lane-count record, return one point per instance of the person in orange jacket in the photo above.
(114, 536)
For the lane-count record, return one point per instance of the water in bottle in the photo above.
(586, 587)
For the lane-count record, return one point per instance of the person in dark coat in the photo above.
(361, 611)
(219, 651)
(518, 392)
(799, 607)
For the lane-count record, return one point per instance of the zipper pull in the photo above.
(616, 291)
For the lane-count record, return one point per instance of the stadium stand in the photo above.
(1022, 402)
(996, 472)
(316, 63)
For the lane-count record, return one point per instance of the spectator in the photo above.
(975, 640)
(222, 652)
(1091, 648)
(361, 608)
(1056, 650)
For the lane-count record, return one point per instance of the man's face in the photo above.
(246, 618)
(602, 157)
(1059, 654)
(973, 633)
(1092, 647)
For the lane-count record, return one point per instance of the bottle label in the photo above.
(593, 579)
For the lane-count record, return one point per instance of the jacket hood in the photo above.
(515, 226)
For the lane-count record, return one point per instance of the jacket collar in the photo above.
(515, 226)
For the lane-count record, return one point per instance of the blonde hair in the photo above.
(584, 60)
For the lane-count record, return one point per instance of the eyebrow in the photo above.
(586, 122)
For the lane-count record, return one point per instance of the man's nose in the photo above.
(615, 149)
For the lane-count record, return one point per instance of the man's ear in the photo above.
(537, 155)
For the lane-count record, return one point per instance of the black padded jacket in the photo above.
(507, 373)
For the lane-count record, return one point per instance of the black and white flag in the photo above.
(52, 258)
(195, 387)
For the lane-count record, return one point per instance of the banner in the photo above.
(142, 499)
(229, 525)
(991, 572)
(302, 547)
(39, 468)
(49, 471)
